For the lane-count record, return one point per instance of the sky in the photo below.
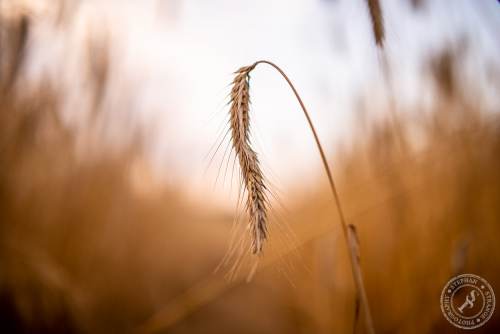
(172, 63)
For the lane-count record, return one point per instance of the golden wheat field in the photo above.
(249, 167)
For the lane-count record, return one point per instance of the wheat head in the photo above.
(253, 179)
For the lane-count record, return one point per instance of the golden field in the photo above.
(91, 242)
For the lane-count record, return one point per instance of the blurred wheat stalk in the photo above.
(377, 21)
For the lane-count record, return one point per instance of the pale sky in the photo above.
(172, 63)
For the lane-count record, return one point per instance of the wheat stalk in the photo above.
(256, 202)
(377, 21)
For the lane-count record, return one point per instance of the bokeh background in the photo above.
(118, 192)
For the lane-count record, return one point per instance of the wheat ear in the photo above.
(256, 203)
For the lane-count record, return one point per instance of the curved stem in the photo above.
(316, 138)
(349, 233)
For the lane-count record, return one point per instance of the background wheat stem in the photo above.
(377, 22)
(349, 231)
